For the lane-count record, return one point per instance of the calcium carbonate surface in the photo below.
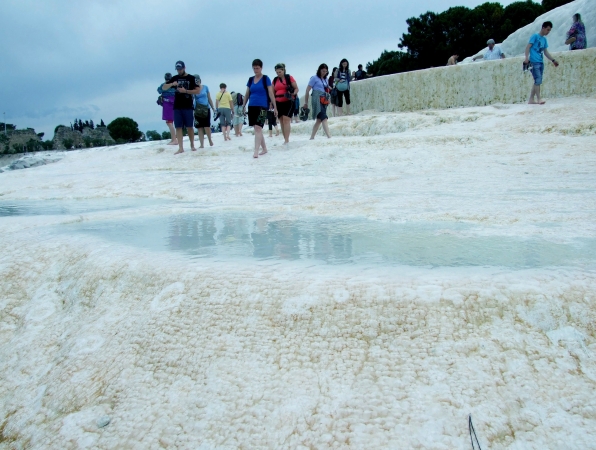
(104, 344)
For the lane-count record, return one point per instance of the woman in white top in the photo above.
(320, 99)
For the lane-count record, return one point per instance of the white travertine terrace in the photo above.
(475, 84)
(105, 345)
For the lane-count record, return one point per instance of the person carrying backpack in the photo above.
(259, 94)
(286, 90)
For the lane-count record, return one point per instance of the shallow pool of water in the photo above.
(66, 207)
(337, 241)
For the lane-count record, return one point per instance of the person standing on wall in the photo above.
(361, 74)
(202, 114)
(320, 99)
(186, 86)
(259, 94)
(167, 98)
(223, 104)
(576, 36)
(238, 119)
(286, 90)
(342, 84)
(492, 53)
(534, 50)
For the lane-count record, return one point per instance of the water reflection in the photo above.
(339, 241)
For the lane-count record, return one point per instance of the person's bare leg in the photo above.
(201, 132)
(173, 140)
(538, 98)
(263, 145)
(191, 138)
(258, 137)
(286, 128)
(180, 137)
(531, 101)
(315, 128)
(326, 128)
(348, 110)
(208, 131)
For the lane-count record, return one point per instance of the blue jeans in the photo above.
(537, 71)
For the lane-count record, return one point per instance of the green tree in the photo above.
(552, 4)
(166, 135)
(153, 135)
(518, 15)
(47, 145)
(68, 143)
(88, 141)
(124, 128)
(32, 145)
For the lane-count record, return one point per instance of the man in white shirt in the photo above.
(492, 53)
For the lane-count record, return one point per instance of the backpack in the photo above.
(251, 81)
(289, 87)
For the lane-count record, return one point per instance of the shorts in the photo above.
(285, 108)
(341, 95)
(203, 122)
(257, 115)
(184, 118)
(167, 113)
(271, 119)
(225, 117)
(537, 71)
(323, 113)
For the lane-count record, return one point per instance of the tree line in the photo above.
(432, 38)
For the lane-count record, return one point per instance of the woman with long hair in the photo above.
(259, 94)
(203, 124)
(342, 84)
(238, 119)
(576, 36)
(286, 90)
(333, 99)
(320, 99)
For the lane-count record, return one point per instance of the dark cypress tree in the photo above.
(102, 124)
(91, 124)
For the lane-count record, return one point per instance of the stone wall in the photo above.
(477, 84)
(100, 136)
(21, 138)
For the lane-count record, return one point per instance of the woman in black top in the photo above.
(343, 76)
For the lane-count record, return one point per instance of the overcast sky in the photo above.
(102, 59)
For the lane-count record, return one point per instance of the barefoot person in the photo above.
(223, 104)
(168, 108)
(286, 90)
(342, 84)
(534, 50)
(186, 86)
(203, 122)
(259, 94)
(320, 99)
(238, 119)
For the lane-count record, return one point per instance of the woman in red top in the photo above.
(286, 90)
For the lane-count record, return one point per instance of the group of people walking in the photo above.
(187, 103)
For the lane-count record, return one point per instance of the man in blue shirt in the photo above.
(534, 50)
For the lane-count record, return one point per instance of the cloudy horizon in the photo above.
(105, 59)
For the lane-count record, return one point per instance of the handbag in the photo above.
(342, 85)
(324, 99)
(160, 100)
(201, 111)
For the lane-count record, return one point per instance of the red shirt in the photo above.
(279, 87)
